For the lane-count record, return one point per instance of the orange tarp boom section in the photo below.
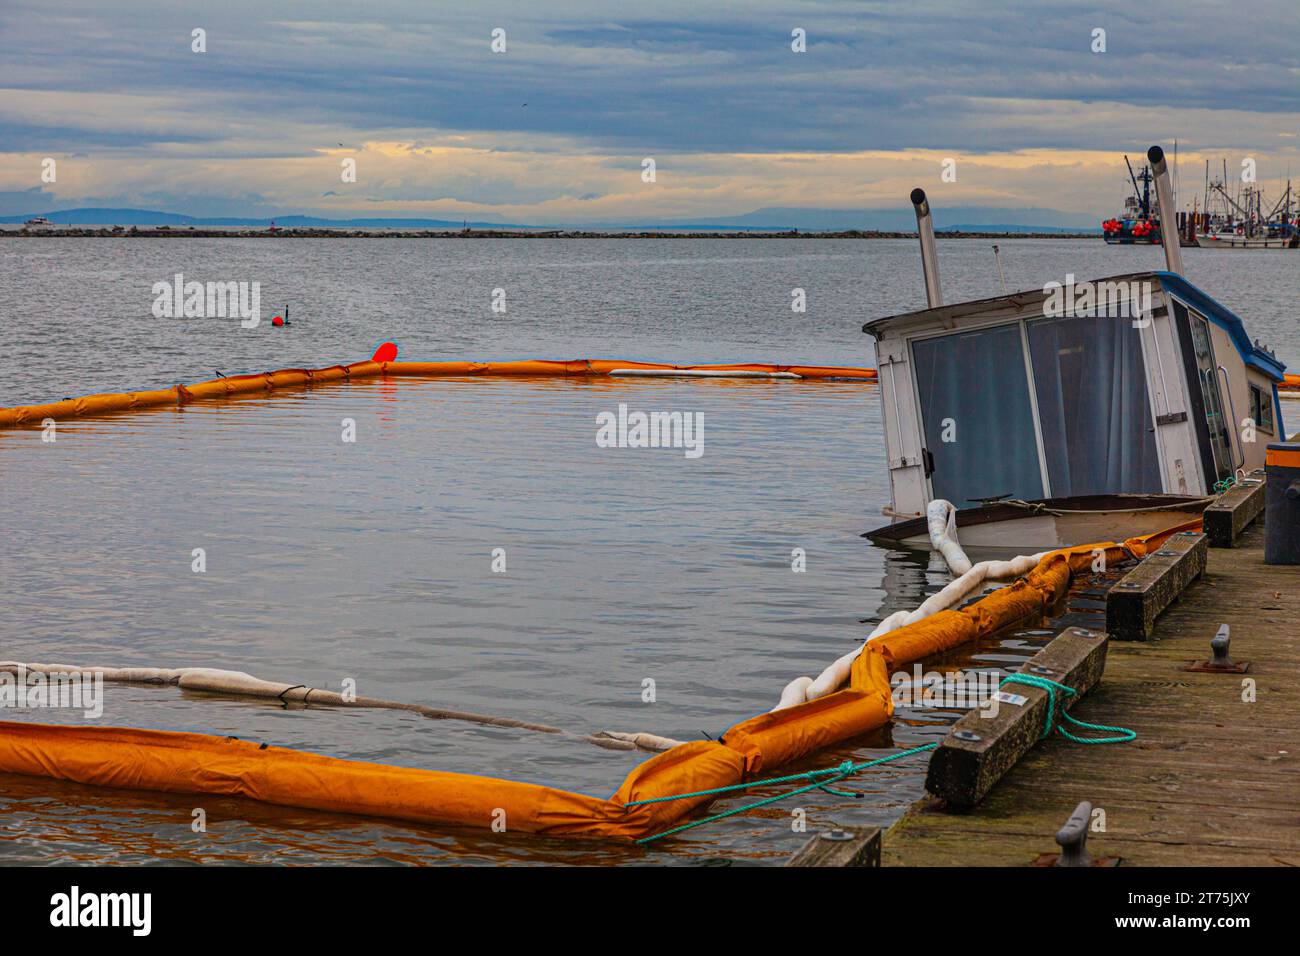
(198, 763)
(236, 385)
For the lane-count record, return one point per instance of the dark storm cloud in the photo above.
(671, 76)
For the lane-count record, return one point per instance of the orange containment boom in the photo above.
(749, 751)
(236, 385)
(1290, 382)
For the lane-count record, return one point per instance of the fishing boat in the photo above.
(1139, 224)
(1082, 411)
(38, 221)
(1227, 239)
(1240, 222)
(1237, 235)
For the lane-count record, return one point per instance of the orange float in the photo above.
(381, 366)
(199, 763)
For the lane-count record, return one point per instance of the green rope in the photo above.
(1051, 686)
(836, 774)
(848, 768)
(843, 768)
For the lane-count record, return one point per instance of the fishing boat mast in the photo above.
(1143, 192)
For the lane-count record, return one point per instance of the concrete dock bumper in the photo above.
(980, 749)
(1133, 604)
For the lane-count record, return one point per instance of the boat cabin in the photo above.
(1138, 383)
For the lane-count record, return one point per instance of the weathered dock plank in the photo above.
(1212, 777)
(848, 846)
(1143, 594)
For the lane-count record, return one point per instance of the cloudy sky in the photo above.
(556, 127)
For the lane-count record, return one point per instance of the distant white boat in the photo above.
(38, 221)
(1245, 221)
(1231, 239)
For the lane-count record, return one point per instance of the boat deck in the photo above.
(1210, 781)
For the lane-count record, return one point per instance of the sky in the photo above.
(556, 127)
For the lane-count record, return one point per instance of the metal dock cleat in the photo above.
(1220, 663)
(1072, 838)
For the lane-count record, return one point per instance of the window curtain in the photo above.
(977, 380)
(1090, 382)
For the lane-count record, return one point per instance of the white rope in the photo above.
(241, 684)
(941, 519)
(940, 516)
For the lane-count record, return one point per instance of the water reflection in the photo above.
(371, 561)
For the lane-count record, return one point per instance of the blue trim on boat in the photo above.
(1277, 409)
(1225, 319)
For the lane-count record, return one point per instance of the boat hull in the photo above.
(1131, 232)
(1146, 240)
(1004, 530)
(1226, 241)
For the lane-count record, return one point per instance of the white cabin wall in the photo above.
(1179, 442)
(1256, 451)
(1241, 377)
(901, 420)
(1180, 458)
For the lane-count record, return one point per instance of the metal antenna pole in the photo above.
(1165, 196)
(929, 252)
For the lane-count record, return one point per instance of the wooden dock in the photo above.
(1212, 779)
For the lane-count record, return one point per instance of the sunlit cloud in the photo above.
(555, 128)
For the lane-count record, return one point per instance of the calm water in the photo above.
(372, 561)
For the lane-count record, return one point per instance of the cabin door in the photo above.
(980, 442)
(1213, 428)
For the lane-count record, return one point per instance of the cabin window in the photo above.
(1091, 386)
(1261, 409)
(980, 440)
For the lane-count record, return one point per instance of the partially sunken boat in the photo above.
(1082, 411)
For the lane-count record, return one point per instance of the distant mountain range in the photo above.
(900, 219)
(775, 219)
(148, 217)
